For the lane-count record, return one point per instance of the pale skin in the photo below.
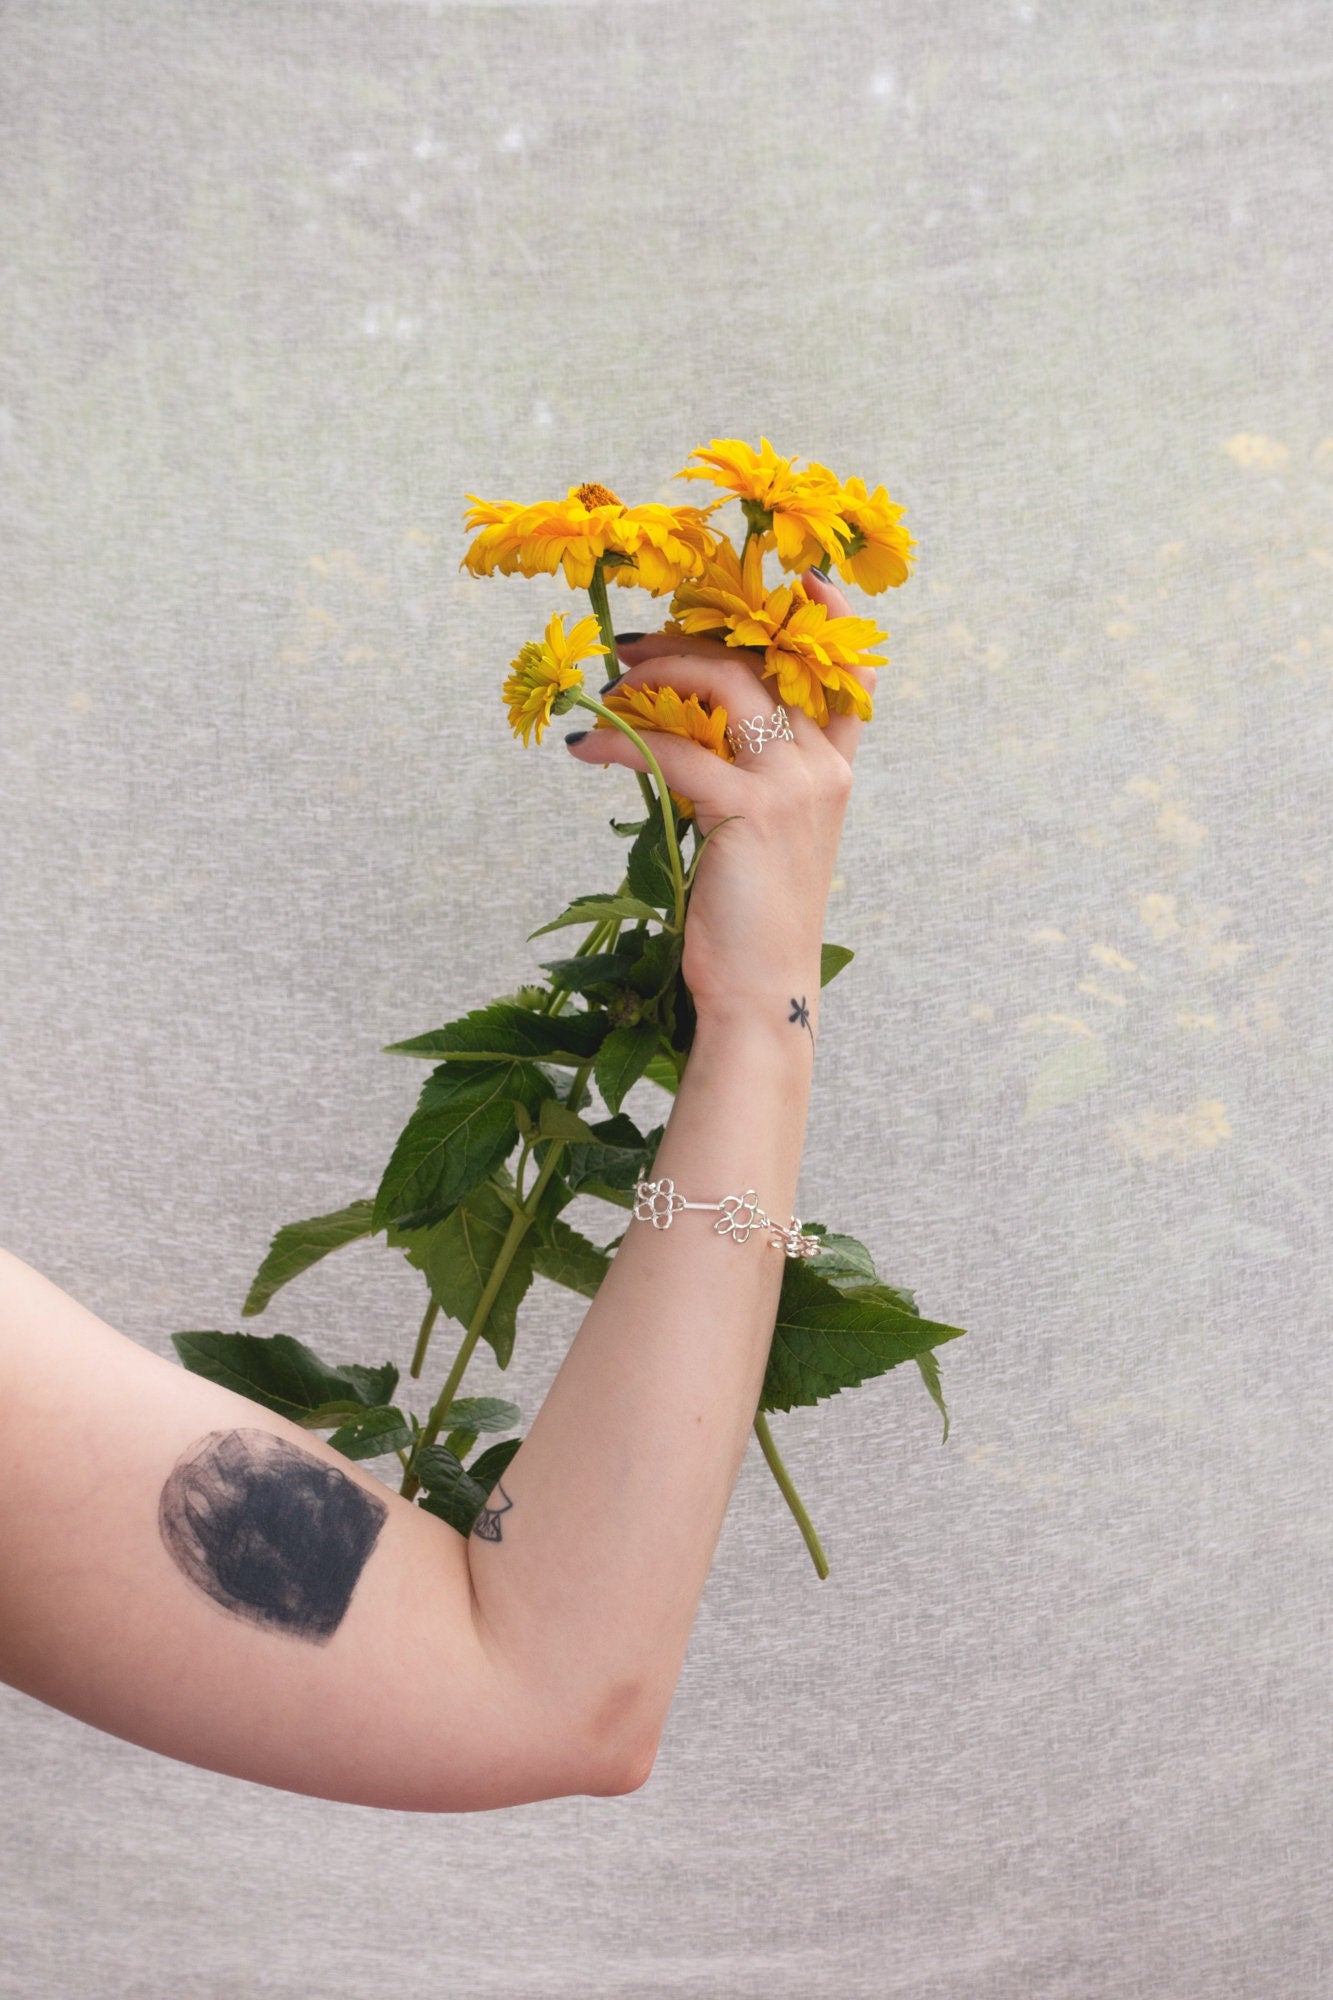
(156, 1570)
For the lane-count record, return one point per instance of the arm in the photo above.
(193, 1573)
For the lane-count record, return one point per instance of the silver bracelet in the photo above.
(737, 1215)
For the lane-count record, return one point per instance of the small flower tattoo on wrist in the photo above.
(800, 1016)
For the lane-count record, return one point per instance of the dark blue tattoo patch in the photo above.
(268, 1531)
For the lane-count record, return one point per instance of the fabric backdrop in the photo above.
(281, 283)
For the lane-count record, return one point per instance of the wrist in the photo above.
(784, 1021)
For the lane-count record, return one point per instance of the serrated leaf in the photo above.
(569, 1259)
(661, 1070)
(298, 1245)
(451, 1493)
(622, 1155)
(832, 958)
(622, 1059)
(463, 1128)
(458, 1261)
(373, 1434)
(557, 1121)
(826, 1339)
(488, 1465)
(842, 1261)
(283, 1374)
(647, 869)
(594, 911)
(656, 964)
(503, 1030)
(930, 1375)
(594, 968)
(484, 1413)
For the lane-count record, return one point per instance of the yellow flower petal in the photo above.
(544, 670)
(666, 709)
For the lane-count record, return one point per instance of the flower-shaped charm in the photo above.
(792, 1243)
(657, 1202)
(740, 1213)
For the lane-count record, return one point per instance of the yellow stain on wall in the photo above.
(1101, 993)
(1155, 1135)
(1251, 448)
(1106, 954)
(1175, 824)
(1071, 1022)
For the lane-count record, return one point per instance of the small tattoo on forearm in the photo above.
(268, 1531)
(487, 1523)
(800, 1014)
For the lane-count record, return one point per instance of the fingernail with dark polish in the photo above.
(577, 736)
(628, 638)
(607, 686)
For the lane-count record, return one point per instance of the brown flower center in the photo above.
(592, 495)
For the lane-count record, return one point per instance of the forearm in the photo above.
(619, 1490)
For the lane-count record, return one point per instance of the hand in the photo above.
(756, 912)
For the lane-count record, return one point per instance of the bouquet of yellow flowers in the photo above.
(498, 1145)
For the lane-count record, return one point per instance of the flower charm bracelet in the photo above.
(737, 1215)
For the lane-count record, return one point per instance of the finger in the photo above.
(716, 787)
(723, 681)
(842, 731)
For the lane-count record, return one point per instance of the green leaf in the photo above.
(622, 1155)
(832, 958)
(656, 964)
(594, 968)
(557, 1121)
(458, 1261)
(930, 1375)
(826, 1338)
(503, 1029)
(594, 909)
(647, 869)
(626, 826)
(284, 1375)
(298, 1245)
(567, 1258)
(484, 1413)
(373, 1434)
(622, 1059)
(661, 1070)
(488, 1465)
(842, 1261)
(451, 1493)
(462, 1129)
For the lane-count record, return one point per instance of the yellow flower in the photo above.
(807, 651)
(663, 708)
(653, 546)
(811, 516)
(811, 656)
(879, 553)
(544, 673)
(801, 510)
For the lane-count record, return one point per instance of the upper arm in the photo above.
(185, 1569)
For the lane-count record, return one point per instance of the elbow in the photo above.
(631, 1769)
(627, 1731)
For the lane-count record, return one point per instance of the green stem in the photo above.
(601, 605)
(789, 1493)
(519, 1225)
(423, 1338)
(668, 810)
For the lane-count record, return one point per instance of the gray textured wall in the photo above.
(280, 282)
